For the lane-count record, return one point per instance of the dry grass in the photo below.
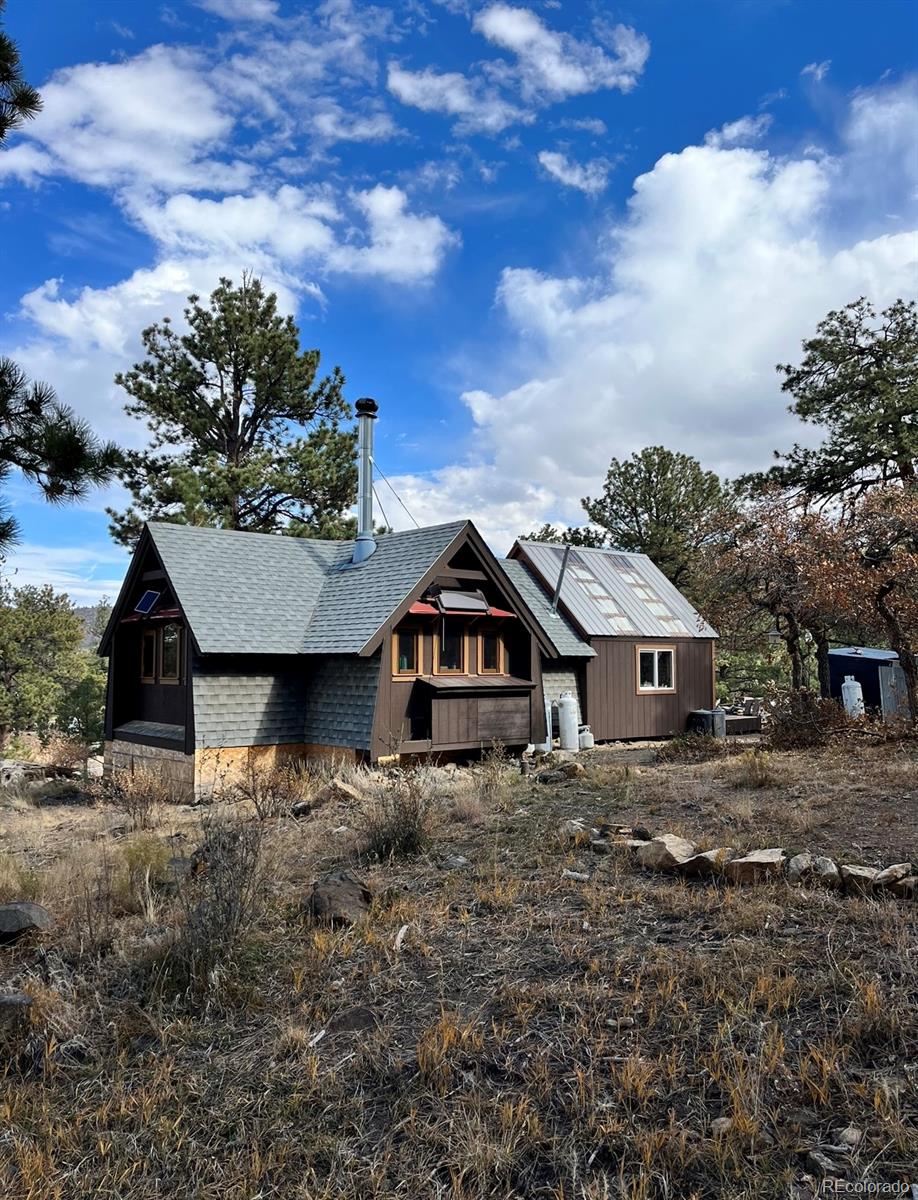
(495, 1033)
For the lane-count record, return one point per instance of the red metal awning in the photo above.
(420, 609)
(500, 612)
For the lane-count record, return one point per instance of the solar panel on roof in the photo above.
(462, 602)
(145, 603)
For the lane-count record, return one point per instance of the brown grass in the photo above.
(527, 1037)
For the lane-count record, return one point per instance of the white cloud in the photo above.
(590, 177)
(817, 70)
(240, 10)
(87, 574)
(400, 245)
(152, 119)
(554, 65)
(584, 125)
(740, 132)
(477, 107)
(333, 123)
(727, 258)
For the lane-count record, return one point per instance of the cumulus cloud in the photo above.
(557, 65)
(727, 257)
(740, 132)
(590, 177)
(477, 108)
(817, 70)
(87, 574)
(152, 119)
(400, 245)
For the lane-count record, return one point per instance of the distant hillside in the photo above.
(87, 614)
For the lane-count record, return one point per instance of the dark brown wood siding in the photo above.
(615, 708)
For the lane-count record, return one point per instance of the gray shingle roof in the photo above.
(258, 593)
(561, 633)
(611, 593)
(354, 602)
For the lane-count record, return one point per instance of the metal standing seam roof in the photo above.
(260, 593)
(557, 628)
(610, 593)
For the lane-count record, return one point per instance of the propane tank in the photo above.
(853, 697)
(567, 721)
(587, 741)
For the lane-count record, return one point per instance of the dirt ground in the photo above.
(516, 1018)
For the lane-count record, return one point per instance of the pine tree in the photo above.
(19, 101)
(242, 434)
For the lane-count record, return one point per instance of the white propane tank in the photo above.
(567, 722)
(587, 741)
(853, 697)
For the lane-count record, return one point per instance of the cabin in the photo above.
(227, 649)
(633, 651)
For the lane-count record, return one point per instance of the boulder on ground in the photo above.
(894, 874)
(339, 899)
(721, 1126)
(857, 879)
(756, 866)
(551, 777)
(21, 918)
(708, 862)
(570, 770)
(905, 889)
(812, 868)
(666, 852)
(573, 832)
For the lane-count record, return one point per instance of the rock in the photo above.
(563, 756)
(858, 880)
(551, 777)
(570, 770)
(642, 833)
(20, 918)
(573, 833)
(666, 852)
(755, 867)
(905, 889)
(454, 862)
(301, 809)
(721, 1126)
(339, 899)
(851, 1136)
(820, 1163)
(894, 874)
(812, 868)
(577, 876)
(600, 846)
(708, 862)
(14, 1010)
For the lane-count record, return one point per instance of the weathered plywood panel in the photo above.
(504, 718)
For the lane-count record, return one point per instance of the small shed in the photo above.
(878, 672)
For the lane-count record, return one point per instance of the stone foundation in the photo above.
(200, 775)
(173, 766)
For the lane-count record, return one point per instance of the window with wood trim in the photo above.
(490, 652)
(449, 648)
(161, 654)
(148, 656)
(406, 652)
(656, 668)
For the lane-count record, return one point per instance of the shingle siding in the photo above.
(341, 701)
(558, 678)
(241, 704)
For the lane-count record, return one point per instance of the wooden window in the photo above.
(170, 653)
(148, 656)
(161, 654)
(656, 669)
(406, 652)
(450, 647)
(490, 653)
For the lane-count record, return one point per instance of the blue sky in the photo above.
(540, 235)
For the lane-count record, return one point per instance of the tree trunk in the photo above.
(792, 641)
(822, 664)
(900, 643)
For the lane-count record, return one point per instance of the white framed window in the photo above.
(656, 668)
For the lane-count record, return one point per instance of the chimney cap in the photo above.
(366, 407)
